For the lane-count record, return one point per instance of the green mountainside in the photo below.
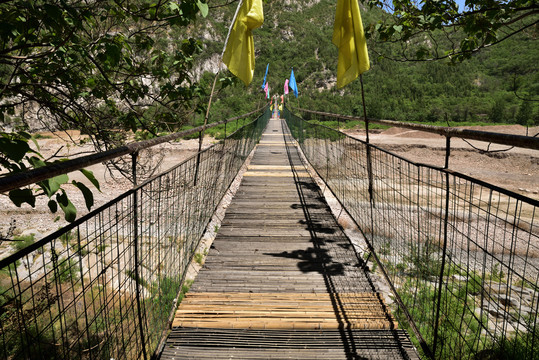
(493, 86)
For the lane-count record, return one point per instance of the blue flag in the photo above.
(292, 83)
(264, 83)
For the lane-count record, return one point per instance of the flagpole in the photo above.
(230, 28)
(364, 108)
(219, 70)
(369, 157)
(201, 135)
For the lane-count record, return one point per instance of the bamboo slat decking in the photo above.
(281, 279)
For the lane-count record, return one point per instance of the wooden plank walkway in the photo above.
(281, 279)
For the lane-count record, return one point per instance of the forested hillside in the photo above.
(495, 85)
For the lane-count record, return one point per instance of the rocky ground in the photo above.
(515, 169)
(40, 221)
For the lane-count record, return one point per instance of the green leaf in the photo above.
(53, 206)
(70, 212)
(53, 12)
(25, 135)
(57, 181)
(203, 8)
(91, 82)
(62, 198)
(52, 185)
(14, 149)
(36, 162)
(87, 193)
(90, 176)
(34, 140)
(20, 196)
(114, 53)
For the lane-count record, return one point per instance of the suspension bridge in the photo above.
(282, 279)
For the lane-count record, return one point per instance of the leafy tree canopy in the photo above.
(438, 29)
(97, 66)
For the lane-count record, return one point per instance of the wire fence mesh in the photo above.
(462, 256)
(105, 286)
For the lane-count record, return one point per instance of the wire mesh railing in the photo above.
(106, 285)
(461, 255)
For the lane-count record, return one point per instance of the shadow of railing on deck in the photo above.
(343, 270)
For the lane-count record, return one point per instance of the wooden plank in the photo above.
(326, 344)
(282, 311)
(264, 285)
(268, 167)
(275, 174)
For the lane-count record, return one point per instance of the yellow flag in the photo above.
(239, 54)
(349, 37)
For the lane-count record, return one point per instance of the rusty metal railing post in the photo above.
(447, 151)
(200, 139)
(444, 248)
(201, 135)
(134, 156)
(369, 156)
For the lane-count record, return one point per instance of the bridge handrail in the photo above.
(527, 142)
(106, 285)
(17, 180)
(454, 250)
(521, 197)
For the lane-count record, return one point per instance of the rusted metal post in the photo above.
(201, 135)
(444, 249)
(442, 268)
(447, 151)
(364, 110)
(369, 156)
(134, 156)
